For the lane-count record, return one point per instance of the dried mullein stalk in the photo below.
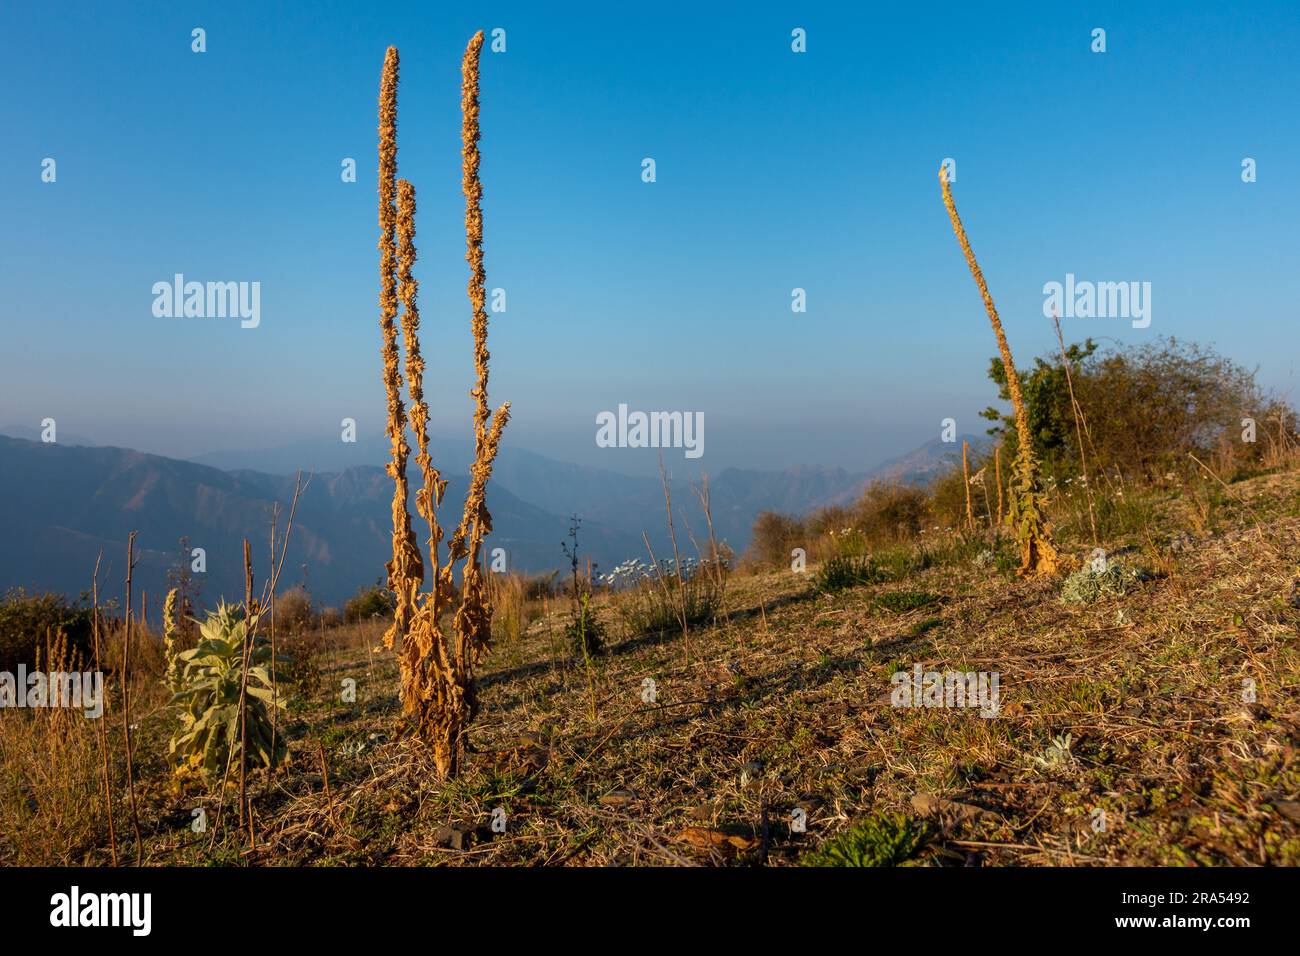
(1027, 509)
(475, 521)
(405, 571)
(437, 669)
(422, 645)
(429, 496)
(472, 623)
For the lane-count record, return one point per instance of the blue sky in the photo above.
(775, 170)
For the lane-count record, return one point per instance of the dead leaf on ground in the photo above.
(618, 798)
(705, 839)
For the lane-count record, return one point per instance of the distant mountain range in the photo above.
(62, 504)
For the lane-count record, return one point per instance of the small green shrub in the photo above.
(584, 632)
(27, 619)
(877, 841)
(921, 628)
(845, 571)
(1006, 563)
(367, 603)
(210, 679)
(902, 601)
(302, 660)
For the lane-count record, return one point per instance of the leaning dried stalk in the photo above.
(1037, 554)
(103, 724)
(677, 562)
(965, 473)
(274, 584)
(126, 699)
(997, 476)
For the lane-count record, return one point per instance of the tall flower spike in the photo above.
(405, 571)
(475, 520)
(1037, 554)
(473, 619)
(433, 484)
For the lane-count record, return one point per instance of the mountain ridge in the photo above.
(65, 504)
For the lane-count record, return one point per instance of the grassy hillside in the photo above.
(1125, 732)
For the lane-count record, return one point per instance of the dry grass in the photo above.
(50, 795)
(515, 604)
(52, 809)
(787, 705)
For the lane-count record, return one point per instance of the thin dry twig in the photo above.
(126, 699)
(677, 560)
(103, 724)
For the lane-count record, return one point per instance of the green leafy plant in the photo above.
(1093, 581)
(26, 620)
(210, 680)
(921, 628)
(877, 841)
(369, 603)
(1057, 755)
(584, 631)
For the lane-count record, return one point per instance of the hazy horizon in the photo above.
(775, 171)
(635, 463)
